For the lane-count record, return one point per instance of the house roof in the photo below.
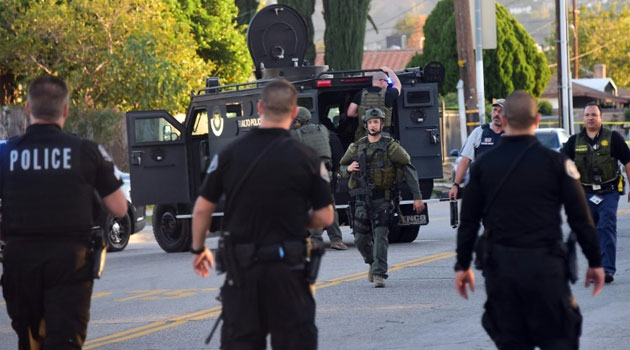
(597, 83)
(374, 59)
(580, 90)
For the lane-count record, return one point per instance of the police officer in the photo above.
(481, 139)
(596, 150)
(385, 160)
(380, 95)
(271, 201)
(48, 179)
(517, 189)
(318, 138)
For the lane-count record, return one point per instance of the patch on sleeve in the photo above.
(323, 172)
(571, 170)
(214, 164)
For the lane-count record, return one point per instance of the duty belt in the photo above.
(605, 188)
(292, 252)
(380, 194)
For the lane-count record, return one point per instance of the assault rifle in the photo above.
(364, 191)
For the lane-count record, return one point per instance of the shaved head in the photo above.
(520, 110)
(378, 76)
(47, 97)
(279, 100)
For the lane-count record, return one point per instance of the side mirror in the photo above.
(167, 133)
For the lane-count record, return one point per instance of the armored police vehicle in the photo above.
(169, 157)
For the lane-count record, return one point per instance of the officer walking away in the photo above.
(374, 164)
(480, 140)
(276, 188)
(517, 189)
(48, 181)
(318, 138)
(380, 95)
(596, 150)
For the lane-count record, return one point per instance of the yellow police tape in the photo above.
(157, 326)
(557, 123)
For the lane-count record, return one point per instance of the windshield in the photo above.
(548, 140)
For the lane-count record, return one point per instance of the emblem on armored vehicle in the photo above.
(217, 122)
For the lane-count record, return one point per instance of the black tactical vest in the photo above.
(489, 138)
(44, 191)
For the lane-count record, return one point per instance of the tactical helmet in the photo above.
(373, 113)
(303, 116)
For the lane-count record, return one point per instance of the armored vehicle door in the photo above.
(419, 128)
(158, 163)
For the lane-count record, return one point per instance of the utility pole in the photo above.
(466, 59)
(565, 95)
(576, 57)
(559, 60)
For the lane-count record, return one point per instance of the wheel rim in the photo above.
(117, 232)
(170, 226)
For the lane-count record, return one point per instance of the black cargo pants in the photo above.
(273, 299)
(47, 287)
(529, 301)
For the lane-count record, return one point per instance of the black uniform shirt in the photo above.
(390, 95)
(44, 178)
(526, 210)
(618, 147)
(273, 202)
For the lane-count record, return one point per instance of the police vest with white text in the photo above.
(489, 139)
(44, 191)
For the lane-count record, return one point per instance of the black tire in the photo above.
(118, 232)
(409, 234)
(402, 234)
(394, 233)
(172, 235)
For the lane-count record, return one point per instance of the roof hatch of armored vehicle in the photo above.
(277, 37)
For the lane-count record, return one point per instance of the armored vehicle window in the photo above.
(333, 116)
(418, 98)
(306, 102)
(234, 110)
(201, 122)
(155, 130)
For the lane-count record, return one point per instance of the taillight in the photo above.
(324, 83)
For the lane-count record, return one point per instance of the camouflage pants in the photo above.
(373, 245)
(334, 232)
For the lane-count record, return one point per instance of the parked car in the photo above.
(553, 138)
(119, 230)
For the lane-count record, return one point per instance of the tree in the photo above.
(411, 26)
(220, 42)
(515, 64)
(345, 32)
(440, 44)
(545, 107)
(603, 38)
(246, 10)
(123, 54)
(305, 8)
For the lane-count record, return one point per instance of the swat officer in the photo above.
(517, 189)
(380, 95)
(481, 139)
(596, 150)
(47, 183)
(371, 185)
(276, 188)
(318, 138)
